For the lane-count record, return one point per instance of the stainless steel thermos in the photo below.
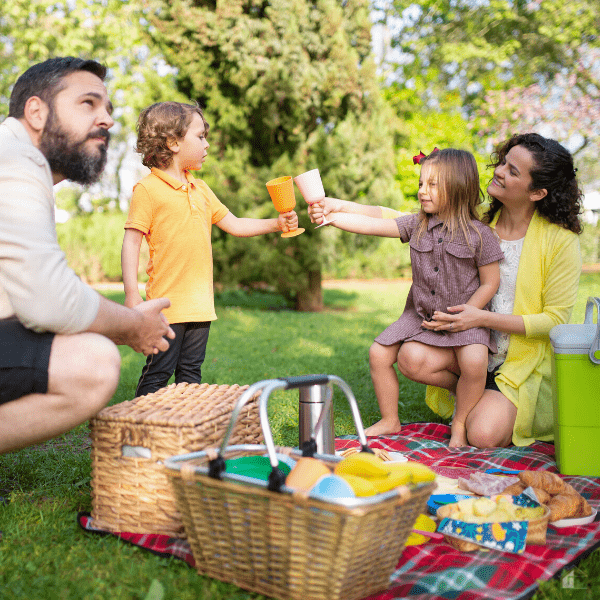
(312, 401)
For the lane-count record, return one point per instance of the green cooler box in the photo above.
(576, 394)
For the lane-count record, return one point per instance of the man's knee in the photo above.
(86, 367)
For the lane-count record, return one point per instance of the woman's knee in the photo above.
(487, 435)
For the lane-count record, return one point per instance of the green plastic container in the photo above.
(576, 395)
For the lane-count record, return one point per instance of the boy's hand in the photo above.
(287, 221)
(132, 300)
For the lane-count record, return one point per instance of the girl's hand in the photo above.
(287, 221)
(465, 317)
(321, 209)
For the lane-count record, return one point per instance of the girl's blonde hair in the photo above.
(459, 190)
(160, 124)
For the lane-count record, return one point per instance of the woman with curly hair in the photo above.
(535, 211)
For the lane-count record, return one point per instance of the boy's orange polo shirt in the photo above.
(176, 219)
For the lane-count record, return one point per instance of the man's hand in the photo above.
(150, 337)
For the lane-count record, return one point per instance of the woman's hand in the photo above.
(465, 317)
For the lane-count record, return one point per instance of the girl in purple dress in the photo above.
(454, 261)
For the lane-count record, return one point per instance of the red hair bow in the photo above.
(419, 157)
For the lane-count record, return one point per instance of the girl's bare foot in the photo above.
(458, 435)
(384, 427)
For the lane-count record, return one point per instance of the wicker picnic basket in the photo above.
(266, 538)
(130, 491)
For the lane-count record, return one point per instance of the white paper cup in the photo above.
(310, 186)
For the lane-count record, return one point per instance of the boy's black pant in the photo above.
(185, 356)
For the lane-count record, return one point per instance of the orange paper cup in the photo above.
(281, 191)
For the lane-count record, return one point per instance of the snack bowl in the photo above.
(536, 529)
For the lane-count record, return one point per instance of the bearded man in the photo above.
(59, 364)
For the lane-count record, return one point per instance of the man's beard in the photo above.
(69, 158)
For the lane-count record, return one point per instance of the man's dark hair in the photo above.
(44, 80)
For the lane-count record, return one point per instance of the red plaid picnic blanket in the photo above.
(436, 570)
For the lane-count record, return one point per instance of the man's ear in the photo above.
(537, 195)
(36, 114)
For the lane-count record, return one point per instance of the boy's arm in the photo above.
(356, 223)
(130, 261)
(244, 227)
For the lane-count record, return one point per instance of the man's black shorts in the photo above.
(24, 360)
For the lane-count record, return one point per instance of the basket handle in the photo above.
(309, 448)
(589, 319)
(216, 466)
(277, 478)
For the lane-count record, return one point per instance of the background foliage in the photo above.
(290, 85)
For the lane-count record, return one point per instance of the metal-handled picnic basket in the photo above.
(264, 537)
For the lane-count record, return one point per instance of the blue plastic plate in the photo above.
(437, 500)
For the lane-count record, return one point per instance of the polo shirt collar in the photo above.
(170, 180)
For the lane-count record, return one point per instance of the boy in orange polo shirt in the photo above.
(175, 212)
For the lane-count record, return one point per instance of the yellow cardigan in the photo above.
(546, 290)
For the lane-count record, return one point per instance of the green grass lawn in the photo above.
(44, 554)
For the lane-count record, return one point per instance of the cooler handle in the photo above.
(589, 319)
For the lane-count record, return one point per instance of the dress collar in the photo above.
(433, 221)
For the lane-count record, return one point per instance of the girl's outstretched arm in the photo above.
(365, 225)
(321, 209)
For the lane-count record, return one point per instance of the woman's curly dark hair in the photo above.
(553, 171)
(160, 124)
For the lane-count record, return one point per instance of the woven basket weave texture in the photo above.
(133, 494)
(290, 546)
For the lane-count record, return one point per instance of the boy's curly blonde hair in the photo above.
(160, 124)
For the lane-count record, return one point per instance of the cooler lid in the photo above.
(572, 339)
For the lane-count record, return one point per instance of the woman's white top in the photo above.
(504, 299)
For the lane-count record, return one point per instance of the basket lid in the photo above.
(183, 404)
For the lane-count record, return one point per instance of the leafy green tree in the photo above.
(448, 46)
(506, 65)
(287, 86)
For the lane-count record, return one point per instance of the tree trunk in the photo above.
(311, 298)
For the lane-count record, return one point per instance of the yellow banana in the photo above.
(361, 486)
(419, 473)
(363, 464)
(389, 482)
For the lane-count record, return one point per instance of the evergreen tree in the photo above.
(286, 86)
